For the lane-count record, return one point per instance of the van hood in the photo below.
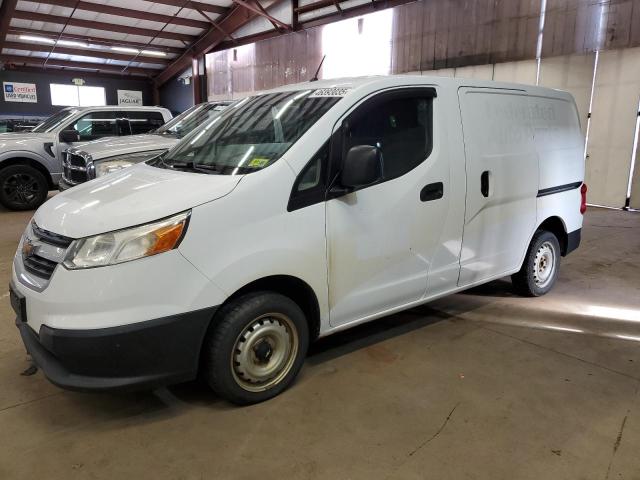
(22, 140)
(133, 196)
(111, 146)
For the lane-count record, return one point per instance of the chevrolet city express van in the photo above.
(297, 213)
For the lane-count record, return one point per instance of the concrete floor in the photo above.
(478, 385)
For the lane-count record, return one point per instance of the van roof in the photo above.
(386, 81)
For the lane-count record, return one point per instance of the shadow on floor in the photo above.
(498, 288)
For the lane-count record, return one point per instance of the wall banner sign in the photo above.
(129, 97)
(20, 92)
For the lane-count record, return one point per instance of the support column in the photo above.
(196, 81)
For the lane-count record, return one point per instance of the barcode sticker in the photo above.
(331, 92)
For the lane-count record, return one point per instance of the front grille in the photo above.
(50, 237)
(76, 160)
(75, 176)
(42, 251)
(39, 266)
(76, 167)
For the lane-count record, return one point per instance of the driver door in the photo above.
(384, 239)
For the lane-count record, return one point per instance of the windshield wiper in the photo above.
(196, 167)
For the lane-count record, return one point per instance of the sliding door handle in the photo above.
(433, 191)
(484, 183)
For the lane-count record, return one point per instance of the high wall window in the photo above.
(358, 46)
(77, 96)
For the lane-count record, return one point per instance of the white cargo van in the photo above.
(297, 213)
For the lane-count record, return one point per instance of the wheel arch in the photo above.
(22, 160)
(556, 225)
(292, 287)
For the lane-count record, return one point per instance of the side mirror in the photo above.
(362, 166)
(69, 136)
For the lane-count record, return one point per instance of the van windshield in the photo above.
(54, 120)
(190, 119)
(248, 136)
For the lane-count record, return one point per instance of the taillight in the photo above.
(583, 199)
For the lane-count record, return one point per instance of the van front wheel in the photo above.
(255, 347)
(540, 267)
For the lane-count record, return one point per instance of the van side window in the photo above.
(402, 128)
(96, 125)
(310, 186)
(143, 122)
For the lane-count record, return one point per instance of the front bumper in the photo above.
(133, 325)
(64, 185)
(143, 355)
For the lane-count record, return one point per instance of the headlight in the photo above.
(118, 162)
(129, 244)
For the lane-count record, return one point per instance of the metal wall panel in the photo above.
(443, 72)
(481, 72)
(517, 72)
(613, 119)
(635, 185)
(436, 34)
(270, 63)
(574, 74)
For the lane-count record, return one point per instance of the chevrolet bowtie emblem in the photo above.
(27, 247)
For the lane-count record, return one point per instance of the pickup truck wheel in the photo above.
(255, 348)
(22, 187)
(540, 267)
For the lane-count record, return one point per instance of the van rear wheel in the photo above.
(22, 187)
(540, 267)
(255, 348)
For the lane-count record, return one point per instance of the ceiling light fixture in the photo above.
(37, 39)
(125, 50)
(153, 52)
(71, 43)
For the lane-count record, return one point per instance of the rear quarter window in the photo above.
(143, 122)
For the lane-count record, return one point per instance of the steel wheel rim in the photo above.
(21, 187)
(264, 352)
(544, 264)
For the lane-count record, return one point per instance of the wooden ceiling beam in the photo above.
(236, 18)
(91, 39)
(34, 47)
(260, 10)
(52, 62)
(127, 12)
(107, 27)
(6, 13)
(205, 7)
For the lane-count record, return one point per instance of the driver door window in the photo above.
(400, 127)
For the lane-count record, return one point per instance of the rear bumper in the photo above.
(573, 241)
(138, 356)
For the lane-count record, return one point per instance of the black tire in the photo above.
(223, 348)
(532, 280)
(22, 187)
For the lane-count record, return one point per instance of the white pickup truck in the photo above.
(94, 159)
(31, 162)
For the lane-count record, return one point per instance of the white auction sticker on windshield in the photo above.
(331, 92)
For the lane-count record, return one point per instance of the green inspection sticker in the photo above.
(258, 162)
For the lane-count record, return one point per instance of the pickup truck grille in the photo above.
(76, 168)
